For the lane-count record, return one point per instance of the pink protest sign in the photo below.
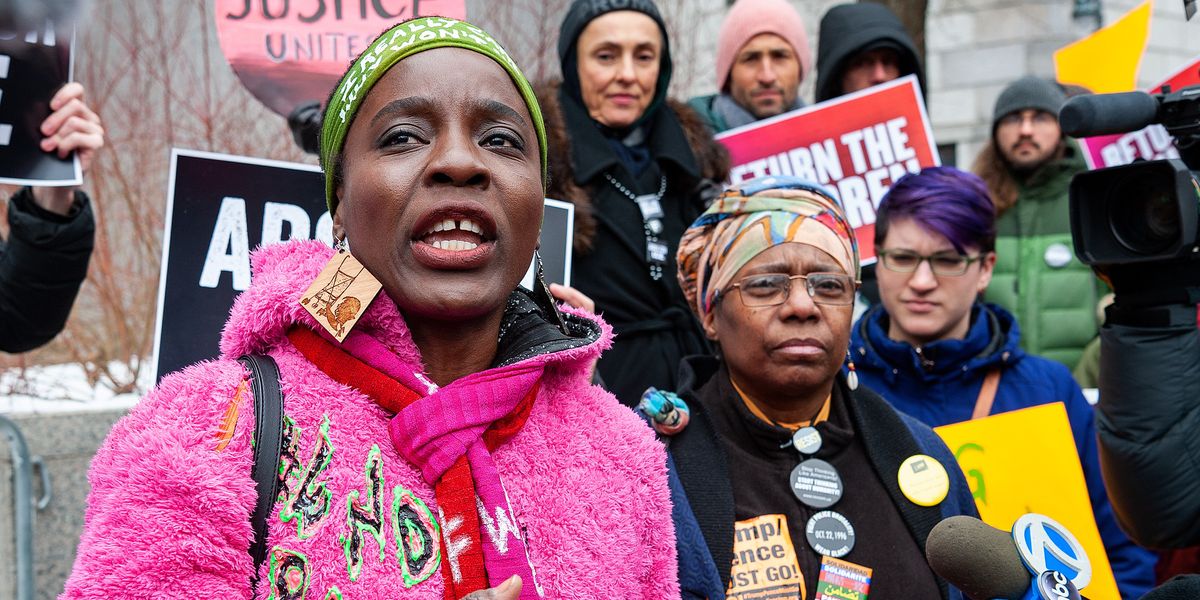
(855, 145)
(1151, 143)
(287, 52)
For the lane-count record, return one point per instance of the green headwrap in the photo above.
(394, 45)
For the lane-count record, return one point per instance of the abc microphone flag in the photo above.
(1038, 560)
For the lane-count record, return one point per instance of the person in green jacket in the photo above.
(762, 57)
(1028, 167)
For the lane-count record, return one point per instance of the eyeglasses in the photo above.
(950, 264)
(770, 289)
(1037, 117)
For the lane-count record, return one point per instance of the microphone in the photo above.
(977, 558)
(985, 564)
(1104, 114)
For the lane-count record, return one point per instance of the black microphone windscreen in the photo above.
(1104, 114)
(977, 558)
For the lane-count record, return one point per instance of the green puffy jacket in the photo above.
(1037, 276)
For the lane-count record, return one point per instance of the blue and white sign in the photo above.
(1045, 545)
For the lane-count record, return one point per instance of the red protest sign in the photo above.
(855, 145)
(1150, 143)
(287, 52)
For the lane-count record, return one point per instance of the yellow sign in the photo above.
(1025, 461)
(1107, 61)
(764, 561)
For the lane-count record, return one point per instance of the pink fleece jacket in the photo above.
(168, 514)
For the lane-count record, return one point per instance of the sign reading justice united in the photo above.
(855, 145)
(287, 52)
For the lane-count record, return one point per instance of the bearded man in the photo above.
(1028, 166)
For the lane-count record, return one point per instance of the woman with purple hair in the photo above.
(938, 353)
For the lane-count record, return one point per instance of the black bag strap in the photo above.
(268, 439)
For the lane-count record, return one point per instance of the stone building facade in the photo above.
(973, 49)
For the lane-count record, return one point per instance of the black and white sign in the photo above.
(33, 66)
(219, 207)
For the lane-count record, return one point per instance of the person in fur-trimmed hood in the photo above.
(441, 441)
(639, 168)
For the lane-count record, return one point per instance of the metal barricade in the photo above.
(24, 504)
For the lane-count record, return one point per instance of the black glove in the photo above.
(305, 123)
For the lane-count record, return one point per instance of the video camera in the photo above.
(1147, 211)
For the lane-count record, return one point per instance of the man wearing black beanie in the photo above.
(861, 45)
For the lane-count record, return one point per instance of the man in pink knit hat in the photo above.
(762, 56)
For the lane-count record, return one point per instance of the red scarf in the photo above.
(455, 488)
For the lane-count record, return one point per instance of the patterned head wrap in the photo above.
(396, 44)
(752, 218)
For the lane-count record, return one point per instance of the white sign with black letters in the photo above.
(33, 66)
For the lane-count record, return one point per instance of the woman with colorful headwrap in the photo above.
(788, 476)
(639, 168)
(440, 441)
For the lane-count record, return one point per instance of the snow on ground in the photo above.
(63, 388)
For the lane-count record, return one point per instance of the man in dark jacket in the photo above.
(862, 45)
(45, 258)
(762, 57)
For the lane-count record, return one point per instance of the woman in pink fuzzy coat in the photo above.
(441, 441)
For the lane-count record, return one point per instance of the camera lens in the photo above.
(1143, 214)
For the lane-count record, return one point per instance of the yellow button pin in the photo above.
(923, 480)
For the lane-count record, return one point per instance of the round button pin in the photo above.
(816, 483)
(829, 534)
(1057, 255)
(806, 440)
(923, 480)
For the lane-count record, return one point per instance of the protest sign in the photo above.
(219, 207)
(764, 561)
(855, 145)
(1025, 461)
(1107, 60)
(1150, 143)
(33, 66)
(287, 52)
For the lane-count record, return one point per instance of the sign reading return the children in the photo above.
(220, 207)
(287, 52)
(33, 66)
(855, 145)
